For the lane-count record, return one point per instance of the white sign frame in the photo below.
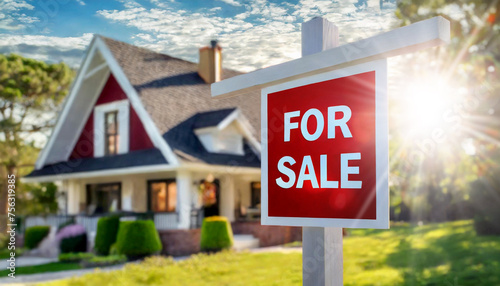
(381, 149)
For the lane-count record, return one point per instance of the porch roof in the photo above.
(148, 157)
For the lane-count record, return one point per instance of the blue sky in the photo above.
(254, 34)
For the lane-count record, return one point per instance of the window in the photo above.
(111, 128)
(255, 194)
(111, 133)
(103, 198)
(162, 196)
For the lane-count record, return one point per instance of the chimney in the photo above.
(210, 65)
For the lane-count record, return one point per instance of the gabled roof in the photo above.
(171, 89)
(186, 144)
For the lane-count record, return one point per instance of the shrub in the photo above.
(34, 235)
(107, 229)
(75, 257)
(216, 234)
(101, 261)
(4, 240)
(137, 239)
(72, 239)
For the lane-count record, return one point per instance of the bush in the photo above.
(137, 239)
(75, 257)
(101, 261)
(4, 240)
(34, 235)
(72, 239)
(216, 234)
(107, 229)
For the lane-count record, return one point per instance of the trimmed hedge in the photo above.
(216, 234)
(137, 239)
(34, 235)
(74, 244)
(102, 261)
(107, 230)
(75, 257)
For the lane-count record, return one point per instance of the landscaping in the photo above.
(434, 254)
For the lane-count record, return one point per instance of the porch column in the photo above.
(227, 204)
(184, 185)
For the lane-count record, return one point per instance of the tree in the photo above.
(30, 93)
(440, 171)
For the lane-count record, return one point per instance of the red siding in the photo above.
(139, 139)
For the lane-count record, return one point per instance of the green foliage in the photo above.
(216, 234)
(34, 235)
(42, 199)
(75, 257)
(113, 250)
(4, 240)
(74, 244)
(485, 198)
(107, 230)
(30, 94)
(138, 238)
(102, 261)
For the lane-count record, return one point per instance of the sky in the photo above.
(253, 33)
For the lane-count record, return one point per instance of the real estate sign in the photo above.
(325, 149)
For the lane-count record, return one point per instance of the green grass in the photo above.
(49, 267)
(436, 254)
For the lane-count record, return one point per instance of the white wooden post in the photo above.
(322, 256)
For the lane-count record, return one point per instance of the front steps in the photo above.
(245, 241)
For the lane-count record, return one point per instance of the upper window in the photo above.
(111, 128)
(111, 136)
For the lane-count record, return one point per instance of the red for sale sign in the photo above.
(325, 152)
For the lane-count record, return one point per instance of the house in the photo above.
(140, 133)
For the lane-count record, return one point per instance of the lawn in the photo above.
(49, 267)
(435, 254)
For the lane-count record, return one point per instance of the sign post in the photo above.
(324, 158)
(322, 251)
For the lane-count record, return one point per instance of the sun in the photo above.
(423, 104)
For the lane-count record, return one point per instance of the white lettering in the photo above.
(287, 172)
(345, 170)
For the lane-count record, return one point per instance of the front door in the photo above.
(103, 198)
(210, 192)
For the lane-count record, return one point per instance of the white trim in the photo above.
(424, 34)
(382, 147)
(42, 158)
(145, 169)
(151, 129)
(95, 70)
(123, 108)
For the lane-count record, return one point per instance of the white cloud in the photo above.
(10, 16)
(264, 34)
(80, 2)
(46, 48)
(231, 2)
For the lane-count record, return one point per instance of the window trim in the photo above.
(149, 191)
(122, 107)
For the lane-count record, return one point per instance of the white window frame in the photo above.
(123, 109)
